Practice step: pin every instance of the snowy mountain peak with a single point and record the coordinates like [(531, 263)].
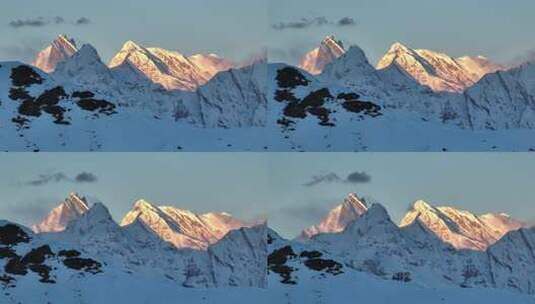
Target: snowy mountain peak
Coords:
[(143, 205), (88, 51), (338, 218), (57, 220), (315, 60), (398, 48), (169, 69), (377, 212), (182, 228), (95, 222), (131, 45), (460, 228), (336, 47), (60, 49), (422, 206), (438, 71)]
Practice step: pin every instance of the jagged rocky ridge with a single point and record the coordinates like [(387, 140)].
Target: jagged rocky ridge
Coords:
[(374, 245)]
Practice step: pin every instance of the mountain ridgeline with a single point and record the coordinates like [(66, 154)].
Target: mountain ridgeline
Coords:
[(413, 100), (432, 247), (78, 243)]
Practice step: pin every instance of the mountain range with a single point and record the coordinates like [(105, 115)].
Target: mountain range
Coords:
[(433, 251), (152, 99), (78, 242), (433, 247)]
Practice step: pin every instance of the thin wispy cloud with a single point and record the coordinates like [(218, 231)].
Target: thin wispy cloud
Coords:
[(308, 22), (36, 22), (40, 21), (59, 177), (333, 178)]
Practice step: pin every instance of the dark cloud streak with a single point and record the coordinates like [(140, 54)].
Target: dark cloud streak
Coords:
[(58, 177), (308, 22), (35, 22), (346, 21), (85, 177), (42, 21), (82, 21), (333, 178)]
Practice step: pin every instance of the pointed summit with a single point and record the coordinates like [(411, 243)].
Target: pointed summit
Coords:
[(59, 50), (329, 49), (398, 47), (460, 228), (435, 70), (338, 218), (57, 220), (181, 228), (170, 69)]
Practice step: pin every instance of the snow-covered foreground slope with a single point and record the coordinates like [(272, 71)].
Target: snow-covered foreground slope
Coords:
[(362, 288)]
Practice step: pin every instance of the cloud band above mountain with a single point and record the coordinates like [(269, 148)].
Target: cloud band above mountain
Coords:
[(308, 22), (333, 178), (42, 21), (58, 177)]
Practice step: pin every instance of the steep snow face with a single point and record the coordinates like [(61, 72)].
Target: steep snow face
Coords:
[(338, 218), (182, 228), (512, 261), (315, 60), (59, 50), (211, 64), (460, 228), (57, 220), (170, 69), (438, 71), (234, 98), (240, 258), (503, 100), (84, 69)]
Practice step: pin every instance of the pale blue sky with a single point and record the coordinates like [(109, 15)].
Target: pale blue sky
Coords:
[(239, 28), (232, 28), (270, 185), (500, 30)]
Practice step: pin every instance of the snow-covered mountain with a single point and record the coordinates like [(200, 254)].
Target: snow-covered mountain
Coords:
[(60, 49), (182, 228), (69, 210), (315, 60), (170, 69), (372, 248), (338, 218), (460, 228), (436, 70), (84, 105), (93, 250)]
